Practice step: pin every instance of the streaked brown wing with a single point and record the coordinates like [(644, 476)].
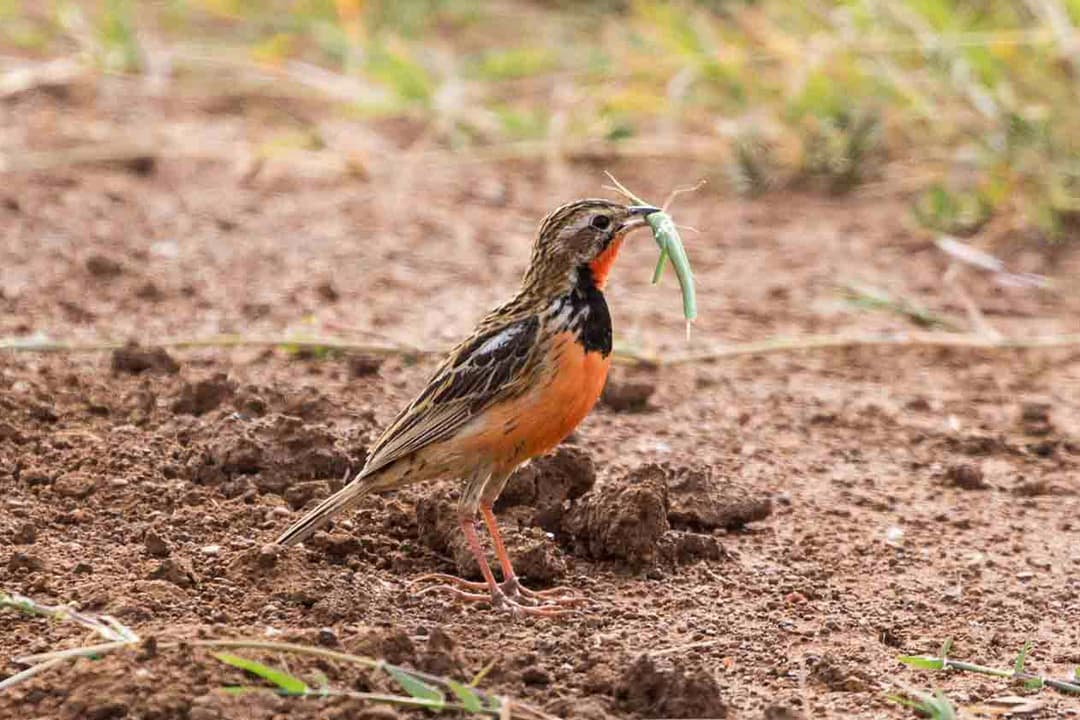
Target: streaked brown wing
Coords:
[(482, 370)]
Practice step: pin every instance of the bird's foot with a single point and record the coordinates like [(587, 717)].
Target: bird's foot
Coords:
[(509, 595), (560, 595)]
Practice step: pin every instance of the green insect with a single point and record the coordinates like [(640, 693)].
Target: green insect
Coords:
[(666, 235)]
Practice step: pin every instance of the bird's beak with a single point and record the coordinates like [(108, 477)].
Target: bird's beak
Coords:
[(636, 215)]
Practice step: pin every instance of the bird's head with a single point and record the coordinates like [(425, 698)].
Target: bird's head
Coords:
[(581, 237)]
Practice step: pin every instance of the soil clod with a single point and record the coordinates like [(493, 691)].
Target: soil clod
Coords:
[(966, 476), (627, 396), (103, 266), (622, 520), (134, 359), (1035, 418), (155, 545), (76, 485), (201, 397), (547, 483), (676, 692), (700, 501), (176, 571)]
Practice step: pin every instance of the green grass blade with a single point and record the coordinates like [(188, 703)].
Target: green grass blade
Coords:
[(469, 698), (936, 706), (288, 684), (924, 662), (417, 688), (1018, 664), (943, 709)]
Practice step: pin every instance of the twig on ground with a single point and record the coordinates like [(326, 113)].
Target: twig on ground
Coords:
[(622, 356), (29, 672), (120, 151), (35, 344), (877, 299), (52, 73), (106, 626), (913, 339), (971, 255)]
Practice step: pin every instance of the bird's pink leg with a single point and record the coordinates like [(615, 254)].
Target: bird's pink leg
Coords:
[(510, 585), (468, 526)]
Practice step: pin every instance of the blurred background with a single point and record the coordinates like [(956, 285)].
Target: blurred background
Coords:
[(961, 112), (968, 104)]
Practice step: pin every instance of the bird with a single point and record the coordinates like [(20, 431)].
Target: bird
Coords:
[(513, 390)]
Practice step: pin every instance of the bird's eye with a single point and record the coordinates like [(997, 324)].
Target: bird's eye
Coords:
[(601, 222)]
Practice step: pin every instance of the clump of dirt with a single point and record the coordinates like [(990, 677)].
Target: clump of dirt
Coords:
[(287, 566), (622, 521), (335, 546), (362, 366), (439, 653), (536, 558), (839, 675), (547, 484), (275, 453), (1038, 487), (1035, 419), (178, 571), (676, 692), (155, 545), (103, 266), (135, 359), (438, 529), (678, 547), (201, 397), (301, 493), (627, 396), (699, 502), (77, 485), (966, 477)]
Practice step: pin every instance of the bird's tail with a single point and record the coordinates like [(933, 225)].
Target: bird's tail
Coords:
[(340, 501)]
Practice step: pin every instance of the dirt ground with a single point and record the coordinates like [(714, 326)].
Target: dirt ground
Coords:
[(759, 536)]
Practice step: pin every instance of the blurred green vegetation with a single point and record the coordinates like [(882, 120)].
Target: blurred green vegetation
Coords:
[(970, 103)]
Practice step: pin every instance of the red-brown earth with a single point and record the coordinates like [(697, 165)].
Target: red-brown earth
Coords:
[(759, 535)]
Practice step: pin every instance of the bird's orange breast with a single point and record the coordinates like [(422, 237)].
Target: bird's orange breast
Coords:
[(567, 388)]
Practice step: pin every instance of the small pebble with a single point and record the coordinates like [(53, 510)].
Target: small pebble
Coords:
[(210, 550)]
